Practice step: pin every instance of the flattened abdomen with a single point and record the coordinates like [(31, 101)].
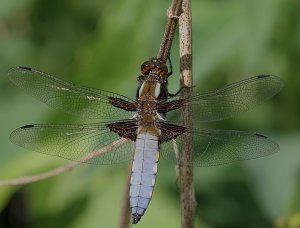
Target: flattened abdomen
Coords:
[(143, 175)]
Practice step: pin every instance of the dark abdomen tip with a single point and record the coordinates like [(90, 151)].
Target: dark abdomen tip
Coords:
[(136, 218)]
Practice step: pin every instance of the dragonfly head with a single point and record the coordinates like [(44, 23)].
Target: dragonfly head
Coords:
[(154, 66)]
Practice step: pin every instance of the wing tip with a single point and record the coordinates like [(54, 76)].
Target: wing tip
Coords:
[(276, 145), (279, 82), (260, 135), (15, 132), (24, 68), (263, 76), (27, 126), (270, 76), (13, 71)]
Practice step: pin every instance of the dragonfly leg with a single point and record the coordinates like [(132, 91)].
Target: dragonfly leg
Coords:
[(171, 66), (180, 90)]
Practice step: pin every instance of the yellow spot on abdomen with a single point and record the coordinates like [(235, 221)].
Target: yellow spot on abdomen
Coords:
[(150, 194), (153, 182), (157, 156), (155, 168)]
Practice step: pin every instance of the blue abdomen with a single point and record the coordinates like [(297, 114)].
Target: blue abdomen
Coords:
[(144, 169)]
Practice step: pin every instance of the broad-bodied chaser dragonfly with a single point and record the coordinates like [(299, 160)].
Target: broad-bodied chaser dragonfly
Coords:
[(143, 121)]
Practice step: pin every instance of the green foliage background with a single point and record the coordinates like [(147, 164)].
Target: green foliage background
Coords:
[(102, 44)]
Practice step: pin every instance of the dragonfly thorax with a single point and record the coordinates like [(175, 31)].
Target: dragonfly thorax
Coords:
[(147, 111)]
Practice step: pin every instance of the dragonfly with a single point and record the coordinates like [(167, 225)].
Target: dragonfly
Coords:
[(143, 123)]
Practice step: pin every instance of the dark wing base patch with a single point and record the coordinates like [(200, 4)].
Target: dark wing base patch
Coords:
[(170, 131), (126, 129), (125, 105)]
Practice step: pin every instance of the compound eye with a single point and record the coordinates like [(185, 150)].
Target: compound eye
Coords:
[(145, 68), (163, 71)]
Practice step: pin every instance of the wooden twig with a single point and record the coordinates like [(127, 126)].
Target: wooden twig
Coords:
[(187, 195), (166, 43), (63, 168), (125, 212)]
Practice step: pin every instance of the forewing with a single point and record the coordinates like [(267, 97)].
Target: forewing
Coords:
[(229, 101), (75, 142), (67, 97), (217, 147)]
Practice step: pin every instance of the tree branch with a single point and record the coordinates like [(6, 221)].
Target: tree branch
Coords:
[(166, 43), (64, 168), (187, 195), (125, 213)]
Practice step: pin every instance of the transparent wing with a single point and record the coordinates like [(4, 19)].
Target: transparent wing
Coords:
[(67, 97), (229, 101), (74, 142), (217, 147)]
